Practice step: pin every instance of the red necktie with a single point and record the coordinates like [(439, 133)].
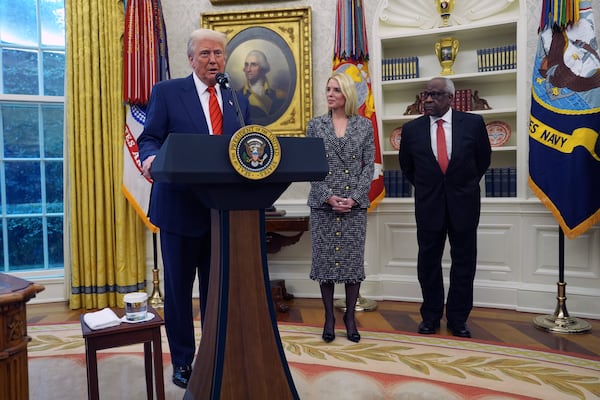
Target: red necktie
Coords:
[(216, 117), (441, 145)]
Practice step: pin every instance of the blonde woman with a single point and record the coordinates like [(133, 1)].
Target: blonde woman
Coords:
[(339, 203)]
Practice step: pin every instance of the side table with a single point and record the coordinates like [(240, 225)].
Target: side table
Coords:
[(275, 241), (14, 293), (125, 334), (273, 224)]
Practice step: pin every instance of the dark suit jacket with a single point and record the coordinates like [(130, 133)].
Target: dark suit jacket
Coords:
[(456, 195), (175, 107)]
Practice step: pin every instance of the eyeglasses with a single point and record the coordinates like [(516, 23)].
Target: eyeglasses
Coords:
[(434, 95), (206, 53)]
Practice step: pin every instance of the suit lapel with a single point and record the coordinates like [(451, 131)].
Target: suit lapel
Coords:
[(230, 118), (337, 144), (425, 138), (457, 139), (192, 105)]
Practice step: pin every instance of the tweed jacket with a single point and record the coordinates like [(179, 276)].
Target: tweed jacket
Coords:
[(351, 161)]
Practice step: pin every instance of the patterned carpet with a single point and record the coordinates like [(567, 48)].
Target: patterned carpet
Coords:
[(382, 366)]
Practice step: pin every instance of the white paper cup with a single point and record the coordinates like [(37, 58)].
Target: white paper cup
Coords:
[(136, 306)]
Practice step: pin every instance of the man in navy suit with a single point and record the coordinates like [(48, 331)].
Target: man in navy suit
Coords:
[(447, 203), (181, 106)]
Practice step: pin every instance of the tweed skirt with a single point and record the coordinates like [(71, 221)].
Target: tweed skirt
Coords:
[(338, 245)]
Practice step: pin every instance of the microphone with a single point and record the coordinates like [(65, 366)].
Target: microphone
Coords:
[(223, 80)]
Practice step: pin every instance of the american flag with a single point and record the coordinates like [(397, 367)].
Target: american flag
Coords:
[(145, 62)]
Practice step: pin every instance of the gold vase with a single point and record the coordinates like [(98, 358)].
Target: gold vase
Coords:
[(445, 8), (446, 50)]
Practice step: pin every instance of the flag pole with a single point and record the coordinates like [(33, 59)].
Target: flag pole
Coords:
[(362, 304), (156, 299), (560, 321), (145, 62)]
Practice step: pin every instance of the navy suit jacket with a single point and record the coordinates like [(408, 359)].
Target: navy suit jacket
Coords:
[(175, 107), (455, 196)]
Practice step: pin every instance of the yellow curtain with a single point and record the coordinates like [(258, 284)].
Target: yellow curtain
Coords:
[(106, 244)]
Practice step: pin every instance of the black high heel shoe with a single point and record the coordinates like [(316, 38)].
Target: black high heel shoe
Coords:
[(352, 336), (327, 336)]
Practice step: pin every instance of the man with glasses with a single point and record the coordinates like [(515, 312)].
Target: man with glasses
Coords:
[(184, 106), (444, 154)]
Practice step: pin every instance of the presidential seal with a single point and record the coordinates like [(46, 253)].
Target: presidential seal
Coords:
[(254, 152)]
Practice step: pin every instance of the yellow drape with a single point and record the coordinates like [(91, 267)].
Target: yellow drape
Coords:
[(106, 243)]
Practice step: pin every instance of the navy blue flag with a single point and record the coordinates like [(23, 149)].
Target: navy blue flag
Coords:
[(564, 126)]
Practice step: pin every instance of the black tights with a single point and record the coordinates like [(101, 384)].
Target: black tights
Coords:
[(327, 290)]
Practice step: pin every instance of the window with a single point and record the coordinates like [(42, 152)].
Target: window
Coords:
[(32, 60)]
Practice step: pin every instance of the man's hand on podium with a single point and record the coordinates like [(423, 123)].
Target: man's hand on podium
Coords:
[(146, 166)]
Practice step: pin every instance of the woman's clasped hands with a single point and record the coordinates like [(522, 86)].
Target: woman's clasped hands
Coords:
[(341, 204)]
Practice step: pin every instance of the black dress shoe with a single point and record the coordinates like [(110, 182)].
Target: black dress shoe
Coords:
[(428, 328), (459, 330), (328, 337), (352, 336), (181, 375)]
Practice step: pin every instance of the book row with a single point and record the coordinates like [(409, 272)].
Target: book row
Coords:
[(499, 182), (399, 68), (497, 58), (396, 185), (462, 101), (488, 59)]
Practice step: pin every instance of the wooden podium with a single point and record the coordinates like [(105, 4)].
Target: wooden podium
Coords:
[(240, 354), (14, 293)]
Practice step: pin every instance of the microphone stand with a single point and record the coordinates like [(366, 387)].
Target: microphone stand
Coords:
[(224, 82), (238, 111)]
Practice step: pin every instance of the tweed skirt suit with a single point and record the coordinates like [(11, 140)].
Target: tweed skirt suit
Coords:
[(338, 239)]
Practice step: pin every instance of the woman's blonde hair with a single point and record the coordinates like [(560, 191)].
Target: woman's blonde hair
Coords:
[(348, 88)]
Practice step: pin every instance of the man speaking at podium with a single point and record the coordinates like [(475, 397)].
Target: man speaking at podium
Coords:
[(195, 104)]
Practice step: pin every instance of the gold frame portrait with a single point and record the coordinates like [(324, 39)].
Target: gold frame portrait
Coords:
[(284, 36)]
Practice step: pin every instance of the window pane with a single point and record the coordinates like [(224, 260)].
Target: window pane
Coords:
[(21, 130), (52, 15), (54, 186), (23, 187), (32, 63), (18, 23), (20, 71), (25, 244), (54, 73), (55, 243), (53, 122)]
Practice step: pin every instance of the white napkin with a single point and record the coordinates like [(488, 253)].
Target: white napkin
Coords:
[(104, 318)]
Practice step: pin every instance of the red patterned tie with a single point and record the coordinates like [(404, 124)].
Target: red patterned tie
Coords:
[(441, 145), (216, 117)]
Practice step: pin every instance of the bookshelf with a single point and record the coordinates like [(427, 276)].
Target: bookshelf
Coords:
[(487, 63)]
